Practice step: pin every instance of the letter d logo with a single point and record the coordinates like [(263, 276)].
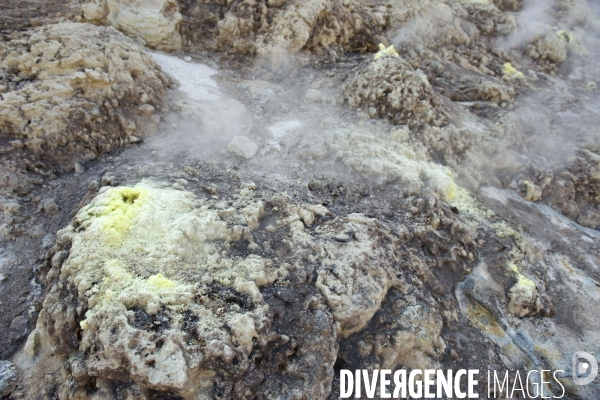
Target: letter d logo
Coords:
[(580, 368)]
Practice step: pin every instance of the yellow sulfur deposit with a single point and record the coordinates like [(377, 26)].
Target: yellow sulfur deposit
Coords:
[(121, 208), (161, 282), (523, 296), (386, 51), (522, 280), (441, 180), (451, 192), (114, 271), (509, 72), (574, 44)]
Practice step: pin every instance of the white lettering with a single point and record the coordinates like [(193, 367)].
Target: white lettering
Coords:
[(442, 382), (400, 384), (473, 383), (370, 387), (557, 381), (459, 394), (346, 383), (428, 381), (411, 384), (517, 379), (542, 385), (535, 385), (384, 382), (501, 387)]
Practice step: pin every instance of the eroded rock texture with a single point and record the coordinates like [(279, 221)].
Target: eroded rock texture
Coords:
[(74, 91), (157, 291), (230, 299), (390, 88), (155, 22)]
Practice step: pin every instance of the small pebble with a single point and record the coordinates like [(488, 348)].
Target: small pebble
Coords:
[(107, 180), (49, 206), (454, 355), (134, 139)]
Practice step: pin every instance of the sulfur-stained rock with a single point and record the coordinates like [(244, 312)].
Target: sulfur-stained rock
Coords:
[(523, 296), (156, 22), (143, 303), (82, 86), (383, 158), (548, 47), (148, 294), (148, 283)]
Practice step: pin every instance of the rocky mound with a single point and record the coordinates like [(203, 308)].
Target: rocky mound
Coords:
[(153, 23), (230, 298), (270, 30), (390, 88), (73, 91), (164, 291)]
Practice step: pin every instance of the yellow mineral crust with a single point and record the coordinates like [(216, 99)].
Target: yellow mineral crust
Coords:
[(523, 296), (161, 282), (574, 43), (149, 246), (120, 210), (509, 72), (388, 159), (127, 231), (386, 51), (522, 280)]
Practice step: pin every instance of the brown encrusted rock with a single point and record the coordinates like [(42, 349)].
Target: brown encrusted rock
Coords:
[(575, 190), (589, 219), (173, 293), (389, 87), (74, 91), (547, 47), (489, 19), (274, 30), (523, 298)]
